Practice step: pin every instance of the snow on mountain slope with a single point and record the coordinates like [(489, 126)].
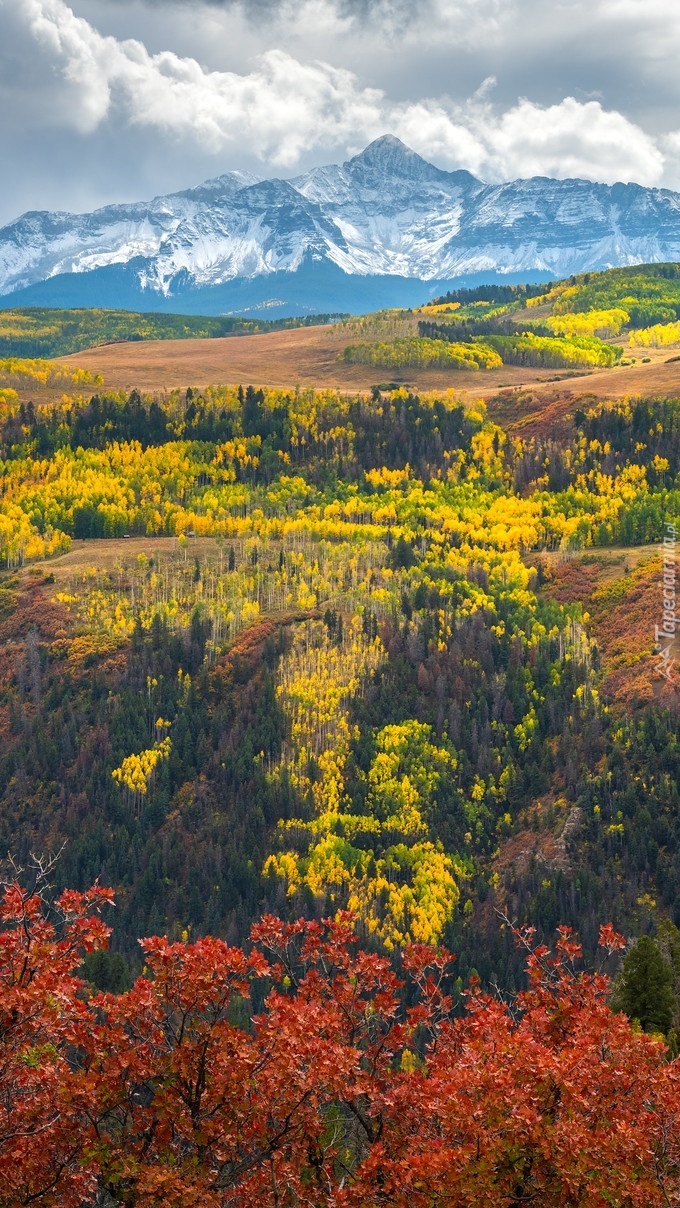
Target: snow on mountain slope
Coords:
[(386, 212), (41, 244)]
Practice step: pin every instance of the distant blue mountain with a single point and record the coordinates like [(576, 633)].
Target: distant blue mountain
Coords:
[(384, 229)]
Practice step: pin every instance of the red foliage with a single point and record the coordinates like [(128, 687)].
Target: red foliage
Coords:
[(34, 610), (336, 1095), (45, 1096)]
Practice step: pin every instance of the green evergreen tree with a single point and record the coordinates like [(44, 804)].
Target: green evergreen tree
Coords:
[(643, 990)]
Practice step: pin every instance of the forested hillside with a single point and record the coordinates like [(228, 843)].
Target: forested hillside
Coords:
[(42, 331), (582, 322), (320, 688), (333, 652)]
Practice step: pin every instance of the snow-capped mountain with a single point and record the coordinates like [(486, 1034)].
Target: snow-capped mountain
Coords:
[(385, 221)]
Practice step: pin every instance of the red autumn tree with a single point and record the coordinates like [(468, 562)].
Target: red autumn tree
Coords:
[(275, 1113), (47, 1102), (552, 1100), (349, 1087)]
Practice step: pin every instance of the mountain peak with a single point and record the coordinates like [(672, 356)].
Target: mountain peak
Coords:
[(389, 155), (386, 213), (386, 144)]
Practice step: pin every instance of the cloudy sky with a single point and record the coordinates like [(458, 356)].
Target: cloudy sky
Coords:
[(113, 100)]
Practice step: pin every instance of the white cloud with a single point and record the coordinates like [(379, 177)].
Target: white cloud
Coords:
[(571, 139), (279, 109), (282, 108), (578, 139), (671, 148), (73, 44), (654, 19), (431, 130)]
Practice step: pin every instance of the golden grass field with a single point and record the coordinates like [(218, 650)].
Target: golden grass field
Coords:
[(110, 554), (309, 357)]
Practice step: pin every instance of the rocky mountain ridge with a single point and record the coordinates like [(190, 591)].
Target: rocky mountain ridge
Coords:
[(386, 215)]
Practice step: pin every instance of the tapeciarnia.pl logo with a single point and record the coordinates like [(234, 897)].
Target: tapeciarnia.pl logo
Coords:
[(664, 634)]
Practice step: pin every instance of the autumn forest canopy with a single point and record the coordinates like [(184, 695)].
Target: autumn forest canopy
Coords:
[(583, 322), (353, 704)]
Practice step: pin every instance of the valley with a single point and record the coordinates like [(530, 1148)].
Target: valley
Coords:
[(325, 635), (339, 604), (273, 592), (309, 357)]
